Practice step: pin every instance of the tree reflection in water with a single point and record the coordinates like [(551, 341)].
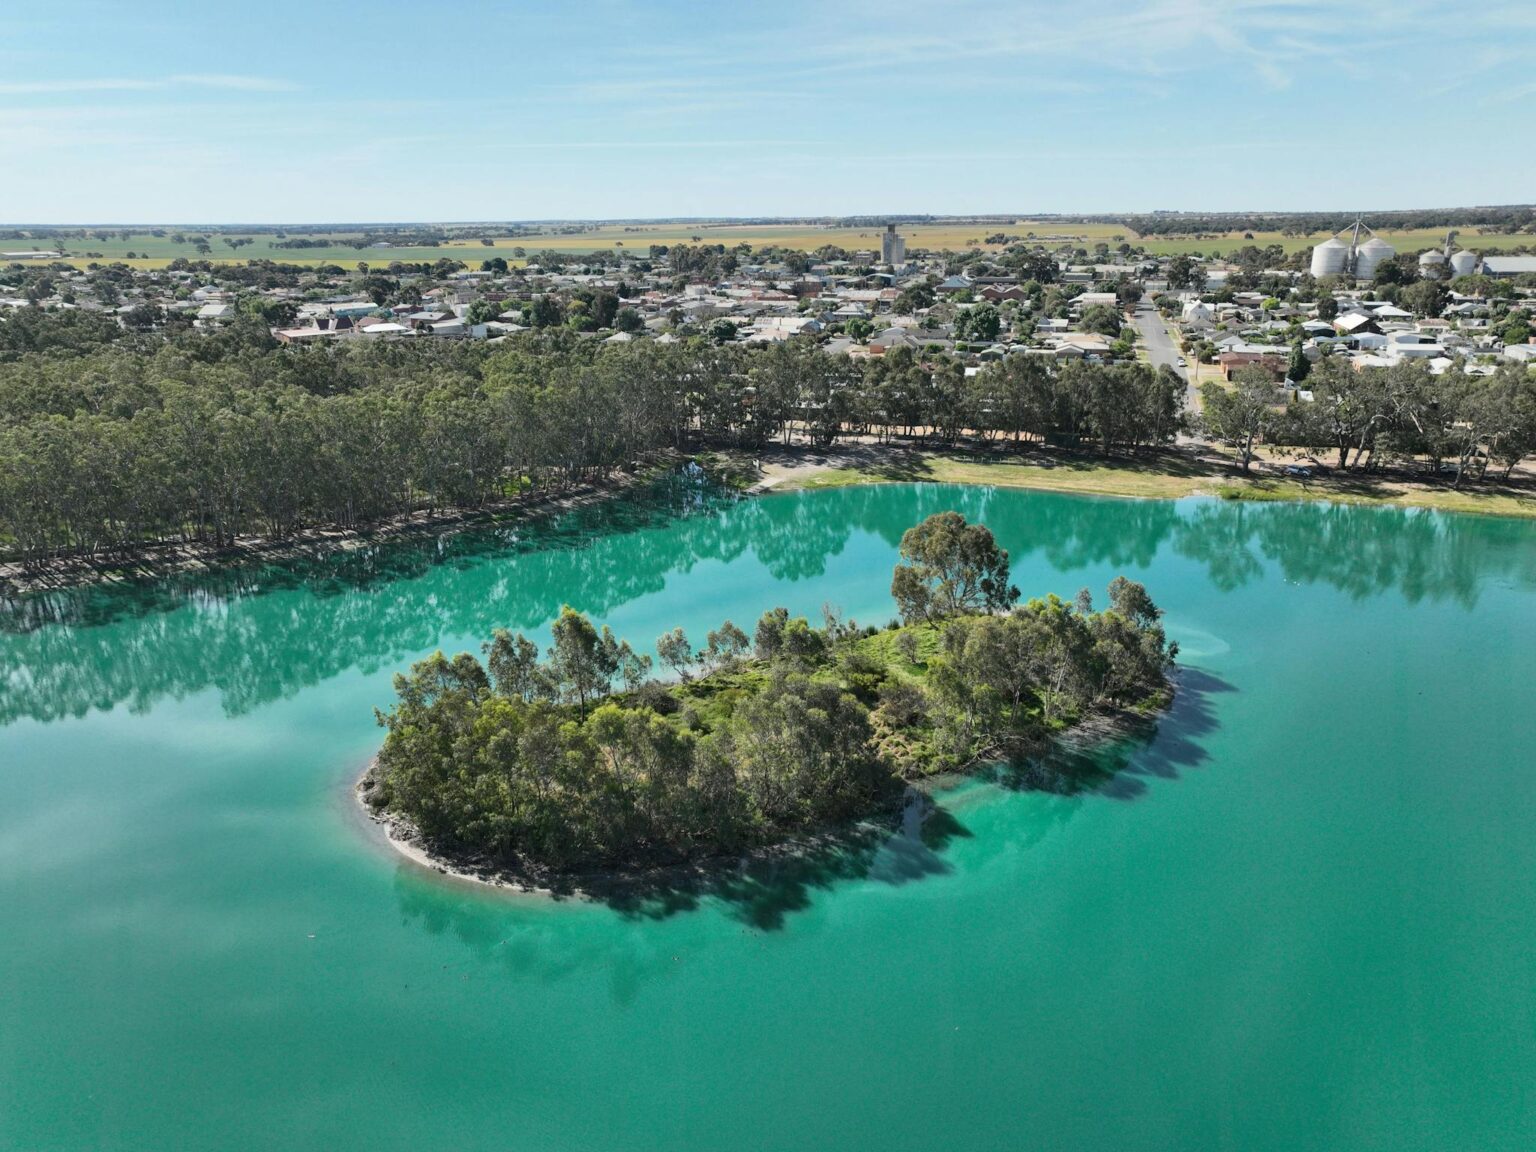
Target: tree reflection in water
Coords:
[(263, 633)]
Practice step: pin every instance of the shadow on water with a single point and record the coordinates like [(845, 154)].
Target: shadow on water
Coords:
[(1119, 765), (762, 892)]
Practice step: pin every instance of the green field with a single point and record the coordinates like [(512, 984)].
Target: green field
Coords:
[(154, 252)]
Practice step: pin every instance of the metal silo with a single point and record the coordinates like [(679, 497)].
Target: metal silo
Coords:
[(1465, 263), (1432, 264), (1370, 256), (1329, 257)]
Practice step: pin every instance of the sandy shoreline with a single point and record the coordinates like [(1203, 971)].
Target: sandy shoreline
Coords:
[(394, 834)]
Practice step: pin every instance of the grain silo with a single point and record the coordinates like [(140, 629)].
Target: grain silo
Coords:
[(1372, 255), (1330, 257), (1465, 263), (1432, 264)]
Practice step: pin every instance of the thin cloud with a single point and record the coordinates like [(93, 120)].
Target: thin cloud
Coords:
[(577, 145), (159, 84)]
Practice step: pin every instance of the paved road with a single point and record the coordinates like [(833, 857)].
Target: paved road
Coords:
[(1161, 349)]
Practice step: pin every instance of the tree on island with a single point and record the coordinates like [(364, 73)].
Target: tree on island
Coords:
[(583, 660), (952, 568), (540, 766), (675, 652)]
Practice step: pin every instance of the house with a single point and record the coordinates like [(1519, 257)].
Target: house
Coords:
[(895, 338), (1354, 323), (384, 328), (354, 308), (773, 328), (1196, 312), (1229, 362), (1094, 299), (1413, 349), (303, 335), (1082, 344)]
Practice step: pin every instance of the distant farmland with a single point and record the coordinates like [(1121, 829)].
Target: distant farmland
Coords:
[(157, 251)]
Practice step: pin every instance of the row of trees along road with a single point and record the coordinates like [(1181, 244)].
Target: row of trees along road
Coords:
[(108, 445), (1366, 417)]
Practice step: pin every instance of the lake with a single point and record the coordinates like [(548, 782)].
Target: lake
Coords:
[(1299, 914)]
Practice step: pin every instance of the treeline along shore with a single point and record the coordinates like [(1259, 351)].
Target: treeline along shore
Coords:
[(576, 761), (114, 444), (108, 447)]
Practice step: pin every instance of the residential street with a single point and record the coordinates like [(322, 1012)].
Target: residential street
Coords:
[(1160, 346)]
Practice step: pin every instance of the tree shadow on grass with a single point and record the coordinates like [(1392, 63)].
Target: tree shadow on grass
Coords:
[(1147, 461), (900, 468), (1174, 463)]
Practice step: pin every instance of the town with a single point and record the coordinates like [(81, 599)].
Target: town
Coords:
[(1056, 297)]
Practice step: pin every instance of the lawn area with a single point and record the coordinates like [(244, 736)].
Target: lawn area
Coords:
[(1166, 479), (1165, 475)]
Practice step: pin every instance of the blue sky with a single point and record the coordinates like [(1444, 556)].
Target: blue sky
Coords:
[(304, 112)]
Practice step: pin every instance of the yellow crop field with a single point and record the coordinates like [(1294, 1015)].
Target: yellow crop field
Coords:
[(151, 251)]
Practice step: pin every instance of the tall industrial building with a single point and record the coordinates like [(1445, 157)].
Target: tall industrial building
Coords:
[(893, 248)]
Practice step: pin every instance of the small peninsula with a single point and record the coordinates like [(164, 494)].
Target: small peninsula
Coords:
[(579, 762)]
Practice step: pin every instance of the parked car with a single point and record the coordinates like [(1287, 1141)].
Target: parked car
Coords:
[(1300, 471), (1182, 363)]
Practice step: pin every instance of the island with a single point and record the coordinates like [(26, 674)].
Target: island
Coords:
[(579, 761)]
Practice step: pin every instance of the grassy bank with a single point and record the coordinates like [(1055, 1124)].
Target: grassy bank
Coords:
[(1166, 475)]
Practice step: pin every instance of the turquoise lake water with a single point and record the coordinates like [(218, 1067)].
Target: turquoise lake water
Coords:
[(1301, 914)]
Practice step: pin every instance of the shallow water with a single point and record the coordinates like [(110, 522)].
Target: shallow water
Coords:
[(1300, 914)]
